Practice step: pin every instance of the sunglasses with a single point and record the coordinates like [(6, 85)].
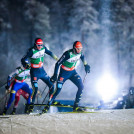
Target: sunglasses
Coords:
[(78, 49), (39, 45)]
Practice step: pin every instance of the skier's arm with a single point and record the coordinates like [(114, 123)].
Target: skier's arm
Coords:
[(83, 59), (24, 60), (51, 54), (10, 79), (87, 67), (63, 58)]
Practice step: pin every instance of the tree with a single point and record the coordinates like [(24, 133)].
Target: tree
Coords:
[(123, 34), (56, 22), (38, 16), (83, 19)]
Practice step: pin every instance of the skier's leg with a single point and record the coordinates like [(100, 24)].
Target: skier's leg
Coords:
[(27, 90), (15, 88), (53, 96), (35, 87), (76, 79), (63, 76), (46, 79), (17, 98), (59, 85), (25, 94), (61, 79), (29, 106)]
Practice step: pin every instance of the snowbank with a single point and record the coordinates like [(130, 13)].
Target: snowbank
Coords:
[(101, 122)]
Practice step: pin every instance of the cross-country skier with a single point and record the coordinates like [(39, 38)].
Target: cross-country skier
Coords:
[(67, 71), (35, 55), (19, 77)]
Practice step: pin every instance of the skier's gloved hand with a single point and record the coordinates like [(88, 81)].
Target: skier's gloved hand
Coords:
[(53, 78), (87, 68), (7, 87), (7, 91), (27, 66)]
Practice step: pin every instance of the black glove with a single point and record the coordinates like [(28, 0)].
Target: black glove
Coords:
[(7, 87), (53, 78), (87, 68), (27, 66)]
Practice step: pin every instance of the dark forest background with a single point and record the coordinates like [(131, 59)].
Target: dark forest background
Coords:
[(105, 28)]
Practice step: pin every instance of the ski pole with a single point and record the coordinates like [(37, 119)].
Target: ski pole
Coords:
[(47, 93), (43, 91), (3, 84), (84, 78), (4, 97), (46, 96), (6, 100), (37, 100)]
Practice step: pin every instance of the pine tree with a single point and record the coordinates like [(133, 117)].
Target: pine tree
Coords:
[(56, 19), (42, 22), (38, 15), (83, 18), (123, 34)]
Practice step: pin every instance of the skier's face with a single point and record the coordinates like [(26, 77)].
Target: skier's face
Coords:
[(39, 46), (78, 50)]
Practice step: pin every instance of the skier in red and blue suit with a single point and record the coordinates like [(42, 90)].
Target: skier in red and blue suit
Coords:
[(19, 77), (35, 55), (67, 64)]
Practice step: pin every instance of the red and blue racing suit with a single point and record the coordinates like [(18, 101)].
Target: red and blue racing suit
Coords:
[(17, 97), (21, 75)]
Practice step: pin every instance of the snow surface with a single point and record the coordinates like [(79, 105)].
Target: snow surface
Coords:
[(101, 122)]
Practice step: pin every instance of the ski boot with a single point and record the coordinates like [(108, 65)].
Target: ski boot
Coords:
[(29, 108), (26, 109), (46, 108), (56, 103), (84, 108), (4, 111), (78, 109), (14, 111)]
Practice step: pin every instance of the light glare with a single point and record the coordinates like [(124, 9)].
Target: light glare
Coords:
[(107, 87)]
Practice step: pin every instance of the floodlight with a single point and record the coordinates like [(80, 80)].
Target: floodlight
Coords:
[(107, 87)]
